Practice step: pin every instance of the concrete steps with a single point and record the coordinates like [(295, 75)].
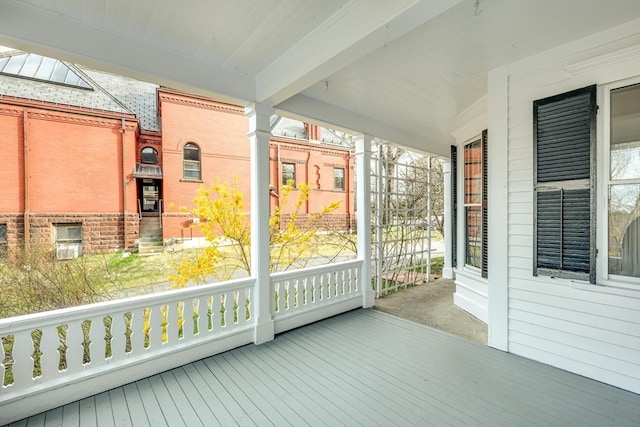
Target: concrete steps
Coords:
[(150, 241)]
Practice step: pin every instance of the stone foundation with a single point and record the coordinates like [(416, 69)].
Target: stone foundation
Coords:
[(100, 232), (329, 222)]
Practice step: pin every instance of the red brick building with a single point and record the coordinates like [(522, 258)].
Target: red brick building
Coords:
[(90, 161)]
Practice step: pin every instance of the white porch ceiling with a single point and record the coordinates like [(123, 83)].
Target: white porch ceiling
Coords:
[(400, 70)]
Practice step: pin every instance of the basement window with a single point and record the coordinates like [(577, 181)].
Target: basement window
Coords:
[(68, 240), (3, 241)]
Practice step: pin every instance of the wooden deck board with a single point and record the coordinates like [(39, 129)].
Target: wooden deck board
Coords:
[(104, 413), (360, 368)]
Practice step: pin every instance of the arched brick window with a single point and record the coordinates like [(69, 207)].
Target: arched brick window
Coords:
[(191, 162), (149, 156)]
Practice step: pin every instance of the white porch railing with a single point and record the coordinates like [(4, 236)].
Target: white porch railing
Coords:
[(127, 339), (58, 357), (305, 296)]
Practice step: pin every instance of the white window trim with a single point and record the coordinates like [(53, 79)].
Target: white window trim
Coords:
[(602, 191)]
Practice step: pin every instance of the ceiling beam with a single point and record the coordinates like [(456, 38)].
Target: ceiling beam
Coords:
[(304, 108), (354, 31)]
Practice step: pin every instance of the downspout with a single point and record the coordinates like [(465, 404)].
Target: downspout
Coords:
[(124, 185), (27, 203)]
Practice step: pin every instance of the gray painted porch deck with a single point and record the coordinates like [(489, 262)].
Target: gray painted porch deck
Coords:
[(364, 367)]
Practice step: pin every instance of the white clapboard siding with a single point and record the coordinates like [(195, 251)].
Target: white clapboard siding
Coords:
[(590, 330)]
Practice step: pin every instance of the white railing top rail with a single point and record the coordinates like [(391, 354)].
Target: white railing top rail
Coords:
[(285, 275), (36, 320)]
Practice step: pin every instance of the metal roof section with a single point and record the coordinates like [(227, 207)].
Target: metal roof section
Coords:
[(29, 85), (38, 67), (286, 127)]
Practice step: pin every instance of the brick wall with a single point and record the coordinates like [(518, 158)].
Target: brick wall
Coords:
[(100, 232), (329, 222)]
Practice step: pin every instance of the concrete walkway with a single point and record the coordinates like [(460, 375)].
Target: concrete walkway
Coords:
[(431, 304)]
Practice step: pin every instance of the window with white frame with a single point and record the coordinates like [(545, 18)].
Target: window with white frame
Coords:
[(577, 226), (621, 175), (338, 179), (191, 162), (289, 174)]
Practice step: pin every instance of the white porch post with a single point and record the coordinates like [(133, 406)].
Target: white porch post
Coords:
[(363, 216), (259, 135), (498, 160), (447, 269)]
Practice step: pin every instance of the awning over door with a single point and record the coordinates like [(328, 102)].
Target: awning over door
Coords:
[(148, 171)]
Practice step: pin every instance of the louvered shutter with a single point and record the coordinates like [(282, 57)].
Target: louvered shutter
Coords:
[(564, 178), (485, 217), (454, 206)]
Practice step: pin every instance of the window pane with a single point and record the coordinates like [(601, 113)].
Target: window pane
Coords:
[(625, 132), (624, 230), (149, 156), (191, 152), (474, 236), (68, 233), (473, 173), (191, 169), (338, 178), (288, 174)]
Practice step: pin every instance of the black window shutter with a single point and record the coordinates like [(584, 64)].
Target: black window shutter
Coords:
[(485, 218), (564, 179), (454, 206)]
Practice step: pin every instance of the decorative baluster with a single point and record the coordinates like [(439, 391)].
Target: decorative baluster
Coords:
[(192, 318), (242, 306), (247, 305), (288, 293), (235, 308), (183, 311), (22, 360), (7, 343), (137, 331), (153, 327), (297, 292), (316, 288), (302, 289), (225, 308), (95, 336), (163, 322), (49, 362), (117, 325), (74, 340), (276, 296), (210, 313)]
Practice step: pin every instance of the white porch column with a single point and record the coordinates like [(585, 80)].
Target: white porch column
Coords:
[(259, 135), (363, 216), (498, 160), (447, 269)]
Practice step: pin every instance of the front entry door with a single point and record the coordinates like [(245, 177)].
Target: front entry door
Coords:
[(150, 195)]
